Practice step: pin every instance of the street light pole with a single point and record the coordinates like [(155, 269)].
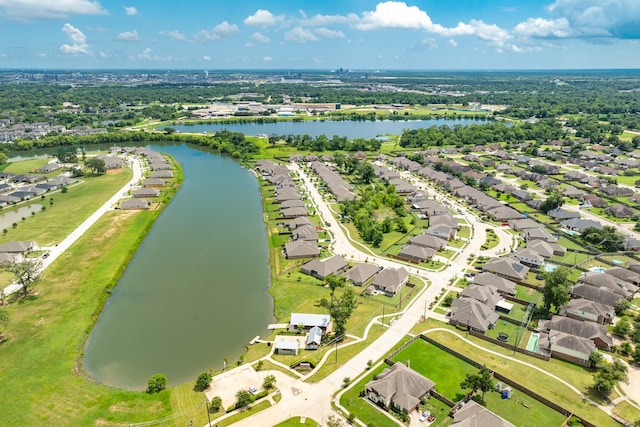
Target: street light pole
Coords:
[(206, 405)]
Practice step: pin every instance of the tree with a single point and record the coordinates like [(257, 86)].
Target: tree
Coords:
[(340, 309), (97, 166), (595, 359), (366, 172), (216, 403), (4, 319), (157, 383), (243, 398), (608, 375), (636, 355), (334, 282), (622, 327), (203, 381), (607, 238), (269, 382), (27, 272), (482, 381), (556, 288), (67, 155), (552, 202)]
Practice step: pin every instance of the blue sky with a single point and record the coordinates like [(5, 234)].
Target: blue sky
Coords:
[(313, 34)]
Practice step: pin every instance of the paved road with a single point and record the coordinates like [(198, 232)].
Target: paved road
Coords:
[(314, 400), (58, 250)]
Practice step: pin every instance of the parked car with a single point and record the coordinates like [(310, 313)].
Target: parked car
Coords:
[(253, 390), (425, 415)]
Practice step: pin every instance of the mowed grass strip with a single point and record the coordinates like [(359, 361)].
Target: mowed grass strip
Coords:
[(533, 380), (40, 367), (68, 210)]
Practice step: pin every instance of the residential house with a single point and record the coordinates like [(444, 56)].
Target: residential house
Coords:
[(579, 225), (166, 174), (111, 162), (288, 213), (591, 330), (399, 387), (624, 274), (620, 211), (612, 283), (305, 232), (447, 220), (49, 167), (360, 273), (429, 241), (524, 224), (488, 295), (154, 182), (593, 293), (320, 269), (132, 204), (306, 321), (566, 346), (429, 208), (546, 249), (574, 175), (593, 201), (390, 280), (504, 213), (314, 338), (560, 214), (502, 285), (529, 258), (293, 203), (415, 253), (475, 415), (507, 267), (573, 192), (301, 249), (617, 191), (538, 234), (299, 222), (145, 192), (521, 195), (441, 230), (18, 247), (289, 347), (473, 314), (584, 309)]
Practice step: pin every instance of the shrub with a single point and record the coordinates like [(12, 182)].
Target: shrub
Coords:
[(202, 383), (157, 383), (216, 404), (260, 395)]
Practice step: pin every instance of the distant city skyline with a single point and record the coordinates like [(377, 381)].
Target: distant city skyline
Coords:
[(358, 34)]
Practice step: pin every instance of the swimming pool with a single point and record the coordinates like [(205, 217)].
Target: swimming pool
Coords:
[(532, 345), (549, 267), (597, 269)]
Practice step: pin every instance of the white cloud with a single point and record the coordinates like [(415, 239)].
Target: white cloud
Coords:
[(322, 20), (453, 43), (77, 41), (206, 58), (429, 43), (601, 18), (130, 10), (264, 18), (328, 34), (540, 27), (260, 38), (49, 9), (395, 14), (146, 54), (249, 45), (221, 31), (299, 35), (128, 36), (177, 35), (103, 55), (267, 58)]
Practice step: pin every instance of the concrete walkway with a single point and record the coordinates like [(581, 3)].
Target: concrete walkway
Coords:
[(60, 248)]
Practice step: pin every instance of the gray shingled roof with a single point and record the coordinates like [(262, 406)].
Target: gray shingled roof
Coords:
[(401, 385), (503, 285), (390, 279), (360, 273), (475, 415)]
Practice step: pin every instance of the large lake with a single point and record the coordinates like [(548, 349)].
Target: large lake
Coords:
[(315, 128), (196, 290)]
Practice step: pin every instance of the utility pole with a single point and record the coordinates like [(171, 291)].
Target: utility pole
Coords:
[(206, 405)]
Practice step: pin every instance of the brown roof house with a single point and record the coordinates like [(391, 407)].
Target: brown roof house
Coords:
[(566, 346), (502, 285), (611, 283), (131, 204), (305, 232), (415, 253), (585, 329), (601, 295), (400, 387), (301, 249), (429, 241), (473, 314), (507, 267), (475, 415), (360, 273), (620, 211), (584, 309), (323, 268), (390, 280)]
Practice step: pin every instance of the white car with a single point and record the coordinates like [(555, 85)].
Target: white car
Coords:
[(253, 390), (424, 415)]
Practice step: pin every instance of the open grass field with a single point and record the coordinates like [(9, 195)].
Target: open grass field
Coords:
[(67, 211), (513, 410), (27, 166), (542, 384), (297, 422), (48, 387)]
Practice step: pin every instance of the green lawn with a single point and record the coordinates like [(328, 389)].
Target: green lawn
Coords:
[(464, 232), (28, 166), (448, 373), (527, 294), (48, 387), (628, 412), (245, 413), (297, 422), (67, 211), (513, 410)]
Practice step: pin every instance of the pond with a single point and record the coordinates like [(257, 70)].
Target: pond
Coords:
[(315, 128), (9, 218), (196, 291)]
